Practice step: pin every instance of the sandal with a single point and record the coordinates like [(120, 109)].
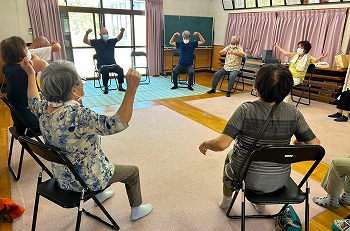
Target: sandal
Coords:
[(325, 202), (341, 225)]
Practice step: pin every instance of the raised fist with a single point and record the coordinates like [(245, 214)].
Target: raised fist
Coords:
[(88, 31)]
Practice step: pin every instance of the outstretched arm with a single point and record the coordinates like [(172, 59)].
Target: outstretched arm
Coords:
[(172, 40), (55, 46), (201, 39), (86, 40), (217, 144), (315, 60), (283, 51), (120, 35)]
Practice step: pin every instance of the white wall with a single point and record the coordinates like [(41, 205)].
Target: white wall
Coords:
[(14, 19)]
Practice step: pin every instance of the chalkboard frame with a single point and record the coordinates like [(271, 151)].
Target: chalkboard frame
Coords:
[(180, 28)]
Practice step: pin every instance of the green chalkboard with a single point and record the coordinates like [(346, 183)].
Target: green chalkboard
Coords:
[(176, 23)]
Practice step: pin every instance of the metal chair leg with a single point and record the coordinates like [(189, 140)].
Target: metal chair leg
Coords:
[(36, 205), (18, 174)]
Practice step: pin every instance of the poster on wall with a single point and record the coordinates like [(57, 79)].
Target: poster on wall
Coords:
[(326, 1), (278, 2), (227, 4), (251, 3), (293, 2), (311, 1), (239, 4), (262, 3)]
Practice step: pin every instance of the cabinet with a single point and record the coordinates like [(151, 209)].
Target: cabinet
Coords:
[(326, 83)]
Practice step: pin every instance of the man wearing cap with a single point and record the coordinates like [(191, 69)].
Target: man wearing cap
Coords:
[(186, 49)]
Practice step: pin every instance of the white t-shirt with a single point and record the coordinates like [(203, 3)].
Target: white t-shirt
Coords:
[(44, 53)]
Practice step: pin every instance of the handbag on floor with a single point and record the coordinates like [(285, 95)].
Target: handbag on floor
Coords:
[(288, 220), (9, 210), (341, 225)]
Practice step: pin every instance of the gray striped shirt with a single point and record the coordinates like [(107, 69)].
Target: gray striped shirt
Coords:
[(244, 125)]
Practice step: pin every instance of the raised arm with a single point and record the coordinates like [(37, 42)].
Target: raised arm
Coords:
[(27, 66), (172, 40), (315, 60), (120, 35), (38, 64), (283, 51), (55, 46), (86, 40), (201, 39), (126, 108), (217, 144)]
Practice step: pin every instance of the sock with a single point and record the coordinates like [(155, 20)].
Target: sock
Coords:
[(345, 198), (327, 202), (105, 195), (225, 203), (140, 211)]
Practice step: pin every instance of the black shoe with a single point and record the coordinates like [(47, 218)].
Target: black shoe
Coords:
[(342, 119), (190, 88), (228, 94), (335, 115), (105, 91), (174, 87), (211, 91), (121, 89)]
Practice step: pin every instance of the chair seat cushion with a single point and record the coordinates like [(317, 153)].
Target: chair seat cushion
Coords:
[(289, 194), (64, 198)]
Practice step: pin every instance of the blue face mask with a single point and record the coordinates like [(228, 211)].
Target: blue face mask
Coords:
[(105, 37)]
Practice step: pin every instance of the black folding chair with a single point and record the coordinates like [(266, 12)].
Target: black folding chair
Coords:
[(98, 76), (15, 133), (239, 77), (64, 198), (141, 54), (291, 193), (304, 87), (174, 57)]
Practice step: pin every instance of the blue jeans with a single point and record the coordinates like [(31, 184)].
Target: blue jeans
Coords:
[(221, 73)]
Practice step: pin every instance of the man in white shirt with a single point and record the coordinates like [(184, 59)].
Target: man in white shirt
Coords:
[(43, 49)]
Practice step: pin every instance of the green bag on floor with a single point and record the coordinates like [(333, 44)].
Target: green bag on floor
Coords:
[(288, 220)]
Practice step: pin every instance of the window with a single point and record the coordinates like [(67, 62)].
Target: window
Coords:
[(79, 15)]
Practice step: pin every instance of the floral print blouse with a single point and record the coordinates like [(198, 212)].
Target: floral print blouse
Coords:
[(74, 130)]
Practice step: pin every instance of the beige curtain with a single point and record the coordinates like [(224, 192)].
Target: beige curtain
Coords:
[(154, 35)]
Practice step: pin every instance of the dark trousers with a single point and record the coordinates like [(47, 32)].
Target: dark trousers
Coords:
[(105, 70), (344, 102), (181, 69)]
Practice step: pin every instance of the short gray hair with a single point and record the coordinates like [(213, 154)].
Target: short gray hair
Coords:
[(57, 81), (186, 33)]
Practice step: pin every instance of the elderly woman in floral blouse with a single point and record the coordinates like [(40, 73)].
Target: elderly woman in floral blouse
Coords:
[(76, 130)]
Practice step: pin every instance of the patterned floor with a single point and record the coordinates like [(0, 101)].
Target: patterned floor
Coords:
[(159, 88)]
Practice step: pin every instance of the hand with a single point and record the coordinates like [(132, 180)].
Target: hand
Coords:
[(132, 79), (27, 66), (196, 33), (230, 52), (177, 34), (202, 149), (276, 44), (324, 54), (298, 142), (53, 43), (88, 31), (122, 29)]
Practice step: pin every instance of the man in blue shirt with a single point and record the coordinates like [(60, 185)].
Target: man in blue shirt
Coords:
[(104, 48), (186, 49)]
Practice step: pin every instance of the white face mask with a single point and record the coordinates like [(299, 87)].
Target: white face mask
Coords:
[(186, 41), (300, 51)]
